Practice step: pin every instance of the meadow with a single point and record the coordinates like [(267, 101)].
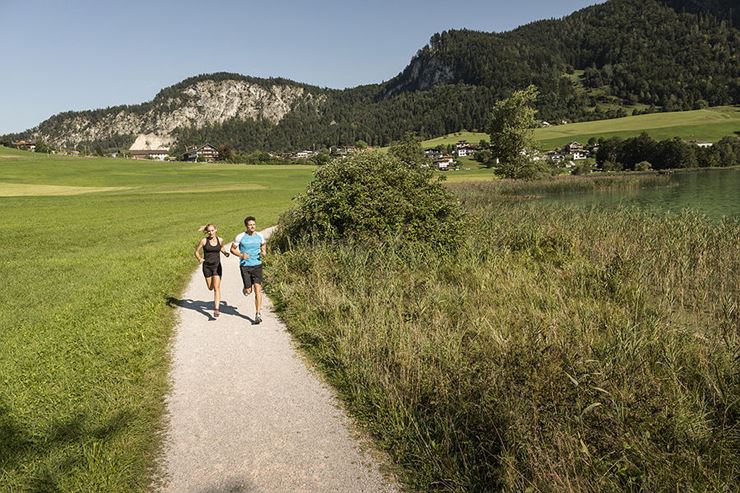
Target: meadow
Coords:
[(95, 254), (709, 125), (556, 349)]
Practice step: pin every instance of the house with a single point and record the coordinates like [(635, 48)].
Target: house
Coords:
[(158, 154), (555, 156), (444, 162), (573, 147), (150, 146), (579, 155), (25, 145), (463, 148), (433, 153), (703, 144), (205, 153), (305, 154), (341, 150)]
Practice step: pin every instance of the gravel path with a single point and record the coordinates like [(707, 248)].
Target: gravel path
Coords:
[(246, 414)]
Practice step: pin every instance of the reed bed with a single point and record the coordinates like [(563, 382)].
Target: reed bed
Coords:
[(564, 184), (557, 349)]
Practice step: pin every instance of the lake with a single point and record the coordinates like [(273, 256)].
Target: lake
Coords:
[(713, 192)]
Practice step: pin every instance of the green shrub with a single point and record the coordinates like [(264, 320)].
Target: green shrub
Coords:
[(369, 196), (643, 166)]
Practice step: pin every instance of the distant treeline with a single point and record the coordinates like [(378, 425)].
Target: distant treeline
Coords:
[(615, 153)]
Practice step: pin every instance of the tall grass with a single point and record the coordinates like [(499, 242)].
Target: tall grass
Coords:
[(564, 184), (557, 350)]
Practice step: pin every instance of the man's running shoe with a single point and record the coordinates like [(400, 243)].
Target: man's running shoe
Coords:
[(257, 318)]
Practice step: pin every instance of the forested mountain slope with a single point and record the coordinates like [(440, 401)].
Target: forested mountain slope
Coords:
[(607, 60)]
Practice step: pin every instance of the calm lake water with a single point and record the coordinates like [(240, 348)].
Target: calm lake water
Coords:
[(713, 192)]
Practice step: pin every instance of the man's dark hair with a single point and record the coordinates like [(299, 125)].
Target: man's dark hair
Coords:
[(249, 218)]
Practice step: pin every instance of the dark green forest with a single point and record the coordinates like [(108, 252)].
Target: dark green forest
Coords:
[(609, 60)]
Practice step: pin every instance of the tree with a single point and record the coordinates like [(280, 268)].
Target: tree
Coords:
[(643, 166), (225, 153), (42, 146), (322, 157), (511, 127), (408, 150)]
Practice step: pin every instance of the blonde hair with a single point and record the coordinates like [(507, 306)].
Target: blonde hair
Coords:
[(203, 228)]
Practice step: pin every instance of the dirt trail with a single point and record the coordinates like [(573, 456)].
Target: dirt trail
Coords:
[(246, 414)]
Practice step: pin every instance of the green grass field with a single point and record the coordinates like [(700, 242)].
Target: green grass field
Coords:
[(702, 125), (92, 251)]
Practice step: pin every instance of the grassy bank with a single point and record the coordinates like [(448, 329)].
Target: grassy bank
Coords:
[(85, 324), (709, 124), (558, 350)]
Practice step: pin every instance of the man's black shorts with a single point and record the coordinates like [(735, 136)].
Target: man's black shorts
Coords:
[(212, 270), (251, 274)]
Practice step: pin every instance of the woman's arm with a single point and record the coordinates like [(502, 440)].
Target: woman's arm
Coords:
[(197, 250), (224, 250)]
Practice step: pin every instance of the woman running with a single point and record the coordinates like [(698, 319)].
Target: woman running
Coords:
[(212, 247)]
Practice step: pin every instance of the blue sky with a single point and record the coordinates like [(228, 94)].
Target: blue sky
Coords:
[(82, 54)]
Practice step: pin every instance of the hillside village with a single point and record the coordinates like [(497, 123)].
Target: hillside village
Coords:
[(442, 157)]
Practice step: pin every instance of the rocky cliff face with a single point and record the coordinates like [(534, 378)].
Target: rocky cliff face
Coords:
[(194, 105), (424, 72)]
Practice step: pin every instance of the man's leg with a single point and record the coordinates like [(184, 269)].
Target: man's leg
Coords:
[(257, 283), (257, 297), (246, 280)]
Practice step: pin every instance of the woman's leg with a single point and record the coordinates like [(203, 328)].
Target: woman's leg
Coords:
[(209, 283), (216, 293)]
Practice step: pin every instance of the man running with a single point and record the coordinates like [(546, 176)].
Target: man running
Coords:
[(250, 247)]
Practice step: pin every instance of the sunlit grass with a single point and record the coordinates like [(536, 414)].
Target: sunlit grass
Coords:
[(84, 322), (709, 124)]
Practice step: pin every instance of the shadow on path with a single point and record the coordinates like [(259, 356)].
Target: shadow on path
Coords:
[(231, 486), (206, 308)]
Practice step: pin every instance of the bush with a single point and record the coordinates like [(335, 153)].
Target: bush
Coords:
[(369, 196), (582, 169), (643, 166), (611, 166)]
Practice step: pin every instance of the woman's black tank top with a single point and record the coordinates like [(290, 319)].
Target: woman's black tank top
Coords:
[(211, 253)]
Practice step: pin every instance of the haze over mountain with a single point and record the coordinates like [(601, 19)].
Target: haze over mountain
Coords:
[(603, 61)]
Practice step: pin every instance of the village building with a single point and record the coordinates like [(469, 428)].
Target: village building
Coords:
[(205, 153), (150, 146), (25, 145), (305, 154), (579, 155), (444, 162), (158, 154), (575, 150), (463, 148), (342, 150), (572, 147)]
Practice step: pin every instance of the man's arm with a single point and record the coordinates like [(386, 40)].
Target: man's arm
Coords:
[(235, 249)]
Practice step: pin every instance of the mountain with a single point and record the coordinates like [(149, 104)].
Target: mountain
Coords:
[(599, 62)]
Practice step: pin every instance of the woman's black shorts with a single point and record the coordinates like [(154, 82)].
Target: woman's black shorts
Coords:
[(210, 270)]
